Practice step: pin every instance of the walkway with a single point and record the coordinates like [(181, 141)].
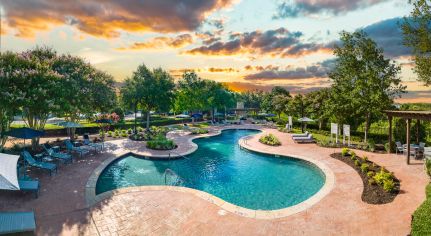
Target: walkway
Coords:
[(61, 208)]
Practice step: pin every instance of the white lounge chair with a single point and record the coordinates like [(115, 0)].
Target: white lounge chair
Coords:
[(307, 139), (301, 135), (399, 148)]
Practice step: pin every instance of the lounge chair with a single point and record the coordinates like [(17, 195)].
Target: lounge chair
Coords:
[(17, 222), (399, 148), (29, 186), (39, 164), (70, 148), (66, 158), (88, 142), (300, 135), (308, 139)]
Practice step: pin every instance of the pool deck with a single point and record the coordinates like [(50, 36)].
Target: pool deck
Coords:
[(63, 208)]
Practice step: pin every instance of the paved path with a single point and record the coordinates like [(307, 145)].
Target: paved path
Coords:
[(61, 208)]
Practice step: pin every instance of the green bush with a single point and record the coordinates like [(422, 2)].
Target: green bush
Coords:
[(345, 152), (270, 139), (109, 133), (353, 158), (199, 131), (428, 167), (371, 145), (371, 181), (370, 174), (130, 131), (421, 223), (365, 158), (161, 143), (388, 185), (382, 176), (352, 153), (357, 163), (390, 147), (365, 167)]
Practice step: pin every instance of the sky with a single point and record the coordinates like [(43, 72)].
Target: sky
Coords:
[(247, 44)]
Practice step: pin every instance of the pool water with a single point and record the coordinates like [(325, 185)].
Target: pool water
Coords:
[(220, 167)]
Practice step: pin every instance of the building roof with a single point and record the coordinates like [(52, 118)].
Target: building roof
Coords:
[(421, 115)]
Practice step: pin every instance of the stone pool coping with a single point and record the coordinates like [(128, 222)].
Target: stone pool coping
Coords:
[(91, 197)]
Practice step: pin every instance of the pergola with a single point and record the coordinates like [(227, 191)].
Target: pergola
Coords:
[(408, 116)]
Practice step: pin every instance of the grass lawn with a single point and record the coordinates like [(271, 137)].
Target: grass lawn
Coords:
[(421, 224)]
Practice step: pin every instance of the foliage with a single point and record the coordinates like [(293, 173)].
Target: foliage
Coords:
[(345, 151), (252, 99), (421, 220), (161, 143), (357, 163), (382, 176), (371, 146), (390, 147), (363, 79), (388, 185), (270, 139), (417, 35), (352, 153), (370, 174), (199, 131), (428, 167), (365, 167)]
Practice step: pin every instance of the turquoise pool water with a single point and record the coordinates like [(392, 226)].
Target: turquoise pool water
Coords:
[(220, 167)]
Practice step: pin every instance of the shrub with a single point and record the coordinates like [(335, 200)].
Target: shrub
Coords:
[(357, 163), (371, 145), (352, 153), (365, 158), (371, 181), (161, 143), (124, 135), (364, 167), (116, 133), (140, 129), (353, 158), (388, 185), (345, 152), (382, 176), (199, 131), (370, 174), (270, 139), (109, 133), (390, 147), (428, 167), (130, 131)]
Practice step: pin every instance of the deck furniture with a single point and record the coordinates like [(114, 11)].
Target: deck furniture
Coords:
[(399, 148), (300, 135), (88, 142), (39, 164), (66, 158), (71, 148), (17, 222), (307, 139), (29, 186)]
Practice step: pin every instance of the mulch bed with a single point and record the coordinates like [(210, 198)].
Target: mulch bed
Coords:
[(372, 194)]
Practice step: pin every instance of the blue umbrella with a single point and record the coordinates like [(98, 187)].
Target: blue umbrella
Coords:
[(197, 115), (25, 133)]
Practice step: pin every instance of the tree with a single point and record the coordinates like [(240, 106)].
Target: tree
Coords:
[(417, 35), (10, 96), (363, 79), (156, 89), (252, 99), (130, 95), (280, 103), (316, 105), (219, 97), (191, 94), (268, 103)]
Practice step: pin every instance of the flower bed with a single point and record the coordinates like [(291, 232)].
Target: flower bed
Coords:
[(199, 131), (270, 139), (161, 143), (380, 186)]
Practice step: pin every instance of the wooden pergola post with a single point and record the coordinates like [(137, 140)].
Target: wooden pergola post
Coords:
[(408, 140), (390, 133)]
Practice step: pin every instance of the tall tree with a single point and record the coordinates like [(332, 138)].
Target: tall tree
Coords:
[(191, 94), (219, 97), (156, 90), (317, 105), (130, 95), (363, 78), (417, 35)]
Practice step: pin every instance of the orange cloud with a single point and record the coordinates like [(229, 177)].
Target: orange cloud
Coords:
[(161, 42), (109, 17)]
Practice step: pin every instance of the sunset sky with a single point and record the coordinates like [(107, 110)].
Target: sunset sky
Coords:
[(248, 44)]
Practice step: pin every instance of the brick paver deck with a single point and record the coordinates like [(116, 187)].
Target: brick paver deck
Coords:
[(61, 208)]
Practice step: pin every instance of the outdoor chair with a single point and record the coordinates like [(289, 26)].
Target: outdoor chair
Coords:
[(66, 158), (88, 142), (17, 222), (71, 148), (307, 139), (39, 164), (300, 135), (29, 186), (399, 148)]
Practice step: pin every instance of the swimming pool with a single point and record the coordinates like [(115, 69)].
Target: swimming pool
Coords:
[(220, 167)]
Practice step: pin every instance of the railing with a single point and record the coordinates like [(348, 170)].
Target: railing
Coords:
[(178, 154), (170, 172)]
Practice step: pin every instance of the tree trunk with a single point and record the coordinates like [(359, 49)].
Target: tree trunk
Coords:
[(367, 124), (148, 120), (320, 124), (135, 131)]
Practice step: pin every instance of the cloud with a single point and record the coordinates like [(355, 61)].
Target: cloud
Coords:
[(319, 70), (161, 42), (293, 89), (109, 17), (279, 42), (298, 8), (388, 35), (178, 72)]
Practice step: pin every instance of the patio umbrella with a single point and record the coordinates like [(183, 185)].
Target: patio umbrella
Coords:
[(69, 125), (304, 120), (8, 173), (25, 133)]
